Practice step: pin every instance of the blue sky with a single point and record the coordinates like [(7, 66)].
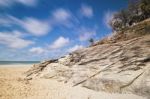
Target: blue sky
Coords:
[(44, 29)]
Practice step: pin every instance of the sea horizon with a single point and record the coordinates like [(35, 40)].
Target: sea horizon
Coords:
[(18, 62)]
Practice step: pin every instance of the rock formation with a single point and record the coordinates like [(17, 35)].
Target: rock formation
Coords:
[(120, 66)]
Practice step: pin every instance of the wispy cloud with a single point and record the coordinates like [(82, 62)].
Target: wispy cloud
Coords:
[(14, 40), (31, 25), (28, 2), (74, 48), (37, 50), (108, 15), (5, 21), (59, 43), (5, 2), (35, 27), (61, 15), (86, 34), (8, 3), (86, 11)]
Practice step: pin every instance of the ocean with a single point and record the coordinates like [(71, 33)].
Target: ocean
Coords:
[(18, 62)]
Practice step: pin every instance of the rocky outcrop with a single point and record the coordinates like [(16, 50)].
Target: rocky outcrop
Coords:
[(122, 67)]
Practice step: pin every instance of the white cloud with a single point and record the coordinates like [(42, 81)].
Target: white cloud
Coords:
[(59, 43), (14, 40), (36, 27), (86, 11), (86, 34), (28, 2), (39, 27), (5, 21), (32, 25), (74, 48), (37, 50), (108, 15), (8, 3), (61, 15), (5, 2)]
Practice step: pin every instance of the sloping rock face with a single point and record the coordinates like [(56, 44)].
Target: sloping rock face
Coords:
[(118, 67), (122, 66)]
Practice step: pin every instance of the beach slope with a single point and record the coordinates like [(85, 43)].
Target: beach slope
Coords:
[(14, 86)]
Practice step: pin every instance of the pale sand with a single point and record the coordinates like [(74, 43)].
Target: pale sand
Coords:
[(12, 86)]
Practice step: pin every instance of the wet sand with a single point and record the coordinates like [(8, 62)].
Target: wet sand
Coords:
[(14, 86)]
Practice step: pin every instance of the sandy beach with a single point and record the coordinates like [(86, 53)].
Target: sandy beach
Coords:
[(14, 86)]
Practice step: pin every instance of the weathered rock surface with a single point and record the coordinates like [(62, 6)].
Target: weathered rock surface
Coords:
[(122, 67)]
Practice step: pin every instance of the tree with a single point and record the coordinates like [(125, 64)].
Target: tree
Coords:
[(119, 20), (133, 11), (145, 7), (137, 10), (91, 40), (116, 22)]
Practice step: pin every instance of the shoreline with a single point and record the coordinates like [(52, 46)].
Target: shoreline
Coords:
[(15, 65)]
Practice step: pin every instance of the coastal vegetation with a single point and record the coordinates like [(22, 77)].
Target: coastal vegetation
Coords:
[(137, 11)]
